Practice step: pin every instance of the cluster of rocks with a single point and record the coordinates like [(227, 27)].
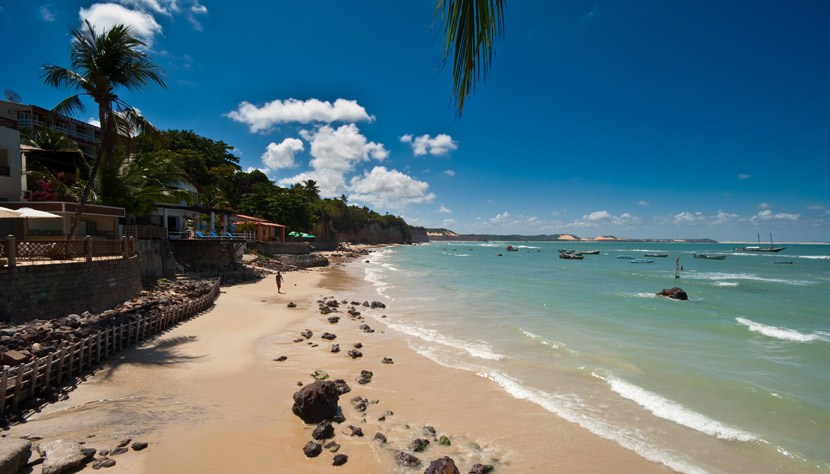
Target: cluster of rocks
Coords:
[(20, 343), (674, 293), (287, 263), (55, 457)]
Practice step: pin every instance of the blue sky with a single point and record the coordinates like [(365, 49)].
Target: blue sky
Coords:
[(637, 119)]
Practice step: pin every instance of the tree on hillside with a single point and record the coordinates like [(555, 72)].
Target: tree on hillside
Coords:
[(101, 64), (470, 30)]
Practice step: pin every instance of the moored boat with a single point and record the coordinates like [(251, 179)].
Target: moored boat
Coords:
[(758, 248), (784, 262), (511, 248), (625, 257), (709, 256), (642, 260), (589, 252), (570, 255), (656, 254)]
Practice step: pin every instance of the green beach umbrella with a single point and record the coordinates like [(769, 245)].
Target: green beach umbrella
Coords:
[(306, 236), (293, 233)]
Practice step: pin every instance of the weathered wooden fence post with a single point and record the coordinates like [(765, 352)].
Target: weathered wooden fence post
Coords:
[(12, 251)]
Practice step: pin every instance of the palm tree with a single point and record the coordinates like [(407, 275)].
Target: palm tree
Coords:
[(102, 63), (470, 29)]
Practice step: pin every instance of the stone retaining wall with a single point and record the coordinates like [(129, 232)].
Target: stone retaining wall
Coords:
[(48, 291), (157, 260), (208, 253), (272, 249)]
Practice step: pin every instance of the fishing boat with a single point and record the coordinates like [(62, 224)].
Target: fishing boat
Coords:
[(570, 255), (709, 256), (625, 257), (589, 252), (658, 254), (758, 248), (511, 248), (642, 260)]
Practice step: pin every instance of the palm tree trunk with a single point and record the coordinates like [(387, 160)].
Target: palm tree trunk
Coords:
[(107, 148)]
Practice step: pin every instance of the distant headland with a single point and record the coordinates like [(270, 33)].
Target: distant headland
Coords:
[(446, 234)]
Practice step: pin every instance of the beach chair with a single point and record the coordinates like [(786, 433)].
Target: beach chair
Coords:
[(230, 236), (213, 234), (200, 234)]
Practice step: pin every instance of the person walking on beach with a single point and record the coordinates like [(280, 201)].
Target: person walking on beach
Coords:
[(279, 282)]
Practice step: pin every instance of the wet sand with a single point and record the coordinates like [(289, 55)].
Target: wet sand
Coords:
[(209, 397)]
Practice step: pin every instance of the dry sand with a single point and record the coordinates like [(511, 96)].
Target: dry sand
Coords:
[(210, 398)]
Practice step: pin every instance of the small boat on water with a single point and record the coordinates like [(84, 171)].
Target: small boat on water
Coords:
[(626, 257), (709, 256), (656, 254), (784, 262), (570, 255), (642, 260), (589, 252), (758, 248), (511, 248)]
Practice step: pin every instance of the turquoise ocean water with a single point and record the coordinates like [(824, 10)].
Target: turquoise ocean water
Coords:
[(737, 379)]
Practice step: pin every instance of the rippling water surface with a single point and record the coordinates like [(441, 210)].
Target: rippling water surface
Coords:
[(736, 378)]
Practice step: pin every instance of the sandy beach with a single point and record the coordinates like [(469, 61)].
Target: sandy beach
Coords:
[(209, 397)]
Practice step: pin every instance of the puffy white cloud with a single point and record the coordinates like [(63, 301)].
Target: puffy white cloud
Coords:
[(389, 189), (743, 176), (46, 14), (500, 218), (444, 210), (449, 173), (768, 215), (293, 110), (642, 203), (440, 144), (763, 205), (597, 216), (281, 155), (103, 16), (603, 218), (686, 218), (336, 152), (263, 170), (93, 121)]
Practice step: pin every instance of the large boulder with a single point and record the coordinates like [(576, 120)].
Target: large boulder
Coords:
[(443, 465), (14, 452), (316, 401), (674, 293), (61, 456)]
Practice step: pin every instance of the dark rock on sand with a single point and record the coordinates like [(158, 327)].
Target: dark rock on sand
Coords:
[(359, 403), (320, 374), (316, 402), (124, 442), (88, 452), (443, 465), (335, 348), (339, 418), (366, 328), (339, 460), (281, 359), (354, 353), (419, 445), (380, 437), (674, 293), (355, 431), (365, 377), (407, 460), (444, 441), (312, 449), (378, 304), (119, 450), (325, 310), (481, 469), (357, 345), (430, 431), (332, 303), (292, 305), (334, 319), (328, 336), (323, 431), (387, 360), (331, 446), (103, 462), (341, 386), (139, 445), (307, 334)]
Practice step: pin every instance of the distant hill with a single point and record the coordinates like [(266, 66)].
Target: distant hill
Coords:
[(446, 234)]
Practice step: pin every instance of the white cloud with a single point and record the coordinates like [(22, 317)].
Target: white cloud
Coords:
[(293, 110), (104, 16), (597, 216), (686, 218), (603, 218), (94, 121), (763, 205), (743, 176), (449, 173), (389, 189), (642, 203), (448, 223), (281, 155), (441, 144), (500, 218), (336, 152), (263, 170), (767, 215), (444, 210), (46, 14)]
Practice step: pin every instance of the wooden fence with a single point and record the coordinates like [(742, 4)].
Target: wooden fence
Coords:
[(19, 383), (39, 252)]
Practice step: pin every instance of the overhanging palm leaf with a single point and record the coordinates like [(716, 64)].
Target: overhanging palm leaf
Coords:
[(102, 63), (470, 29)]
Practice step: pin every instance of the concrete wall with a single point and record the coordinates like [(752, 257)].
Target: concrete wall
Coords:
[(208, 253), (10, 186), (276, 248), (48, 291), (157, 260)]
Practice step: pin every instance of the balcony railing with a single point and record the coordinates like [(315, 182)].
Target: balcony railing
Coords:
[(15, 252)]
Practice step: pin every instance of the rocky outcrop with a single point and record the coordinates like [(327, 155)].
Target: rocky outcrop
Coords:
[(61, 456), (674, 293), (14, 452), (316, 402), (444, 465)]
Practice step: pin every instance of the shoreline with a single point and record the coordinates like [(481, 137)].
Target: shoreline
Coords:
[(208, 396)]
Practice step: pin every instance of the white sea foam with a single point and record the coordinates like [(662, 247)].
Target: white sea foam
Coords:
[(571, 408), (476, 349), (726, 283), (815, 257), (783, 334), (675, 412), (718, 276), (558, 346)]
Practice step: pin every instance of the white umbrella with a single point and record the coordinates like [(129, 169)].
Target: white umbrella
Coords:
[(30, 213), (4, 212)]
